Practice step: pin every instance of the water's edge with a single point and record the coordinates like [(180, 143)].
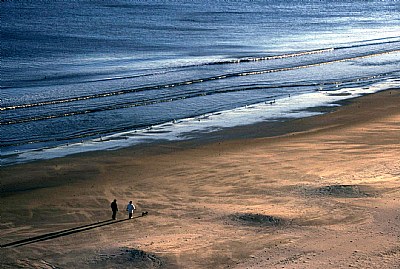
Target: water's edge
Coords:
[(231, 124)]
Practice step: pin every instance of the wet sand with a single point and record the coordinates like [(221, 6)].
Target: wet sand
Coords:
[(325, 193)]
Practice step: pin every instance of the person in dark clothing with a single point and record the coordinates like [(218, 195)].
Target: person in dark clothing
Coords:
[(114, 208)]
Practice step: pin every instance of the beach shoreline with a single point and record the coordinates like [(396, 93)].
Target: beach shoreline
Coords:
[(274, 118), (313, 192)]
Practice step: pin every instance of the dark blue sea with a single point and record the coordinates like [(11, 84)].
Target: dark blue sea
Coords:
[(79, 76)]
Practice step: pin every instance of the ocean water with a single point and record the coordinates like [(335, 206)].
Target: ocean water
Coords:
[(79, 76)]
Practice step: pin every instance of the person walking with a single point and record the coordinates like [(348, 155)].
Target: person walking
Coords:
[(130, 208), (114, 208)]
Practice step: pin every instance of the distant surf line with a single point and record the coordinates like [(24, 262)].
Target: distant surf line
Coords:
[(177, 84), (317, 64), (80, 98), (175, 98), (178, 68)]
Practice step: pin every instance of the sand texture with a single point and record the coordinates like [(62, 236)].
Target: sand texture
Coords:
[(324, 195)]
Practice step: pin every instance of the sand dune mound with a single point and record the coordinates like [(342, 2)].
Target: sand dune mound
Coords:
[(144, 259), (346, 191), (257, 219), (134, 257)]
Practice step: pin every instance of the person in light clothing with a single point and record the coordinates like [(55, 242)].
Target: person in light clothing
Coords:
[(130, 208)]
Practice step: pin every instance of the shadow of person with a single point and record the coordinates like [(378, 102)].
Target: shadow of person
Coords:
[(61, 233)]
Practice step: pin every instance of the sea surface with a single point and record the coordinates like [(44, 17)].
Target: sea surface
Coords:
[(79, 76)]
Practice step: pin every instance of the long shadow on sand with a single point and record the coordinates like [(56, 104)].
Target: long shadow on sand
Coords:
[(53, 235)]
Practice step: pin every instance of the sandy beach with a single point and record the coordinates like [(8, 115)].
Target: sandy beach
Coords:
[(319, 192)]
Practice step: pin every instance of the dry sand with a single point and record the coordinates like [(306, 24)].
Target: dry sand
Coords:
[(324, 196)]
